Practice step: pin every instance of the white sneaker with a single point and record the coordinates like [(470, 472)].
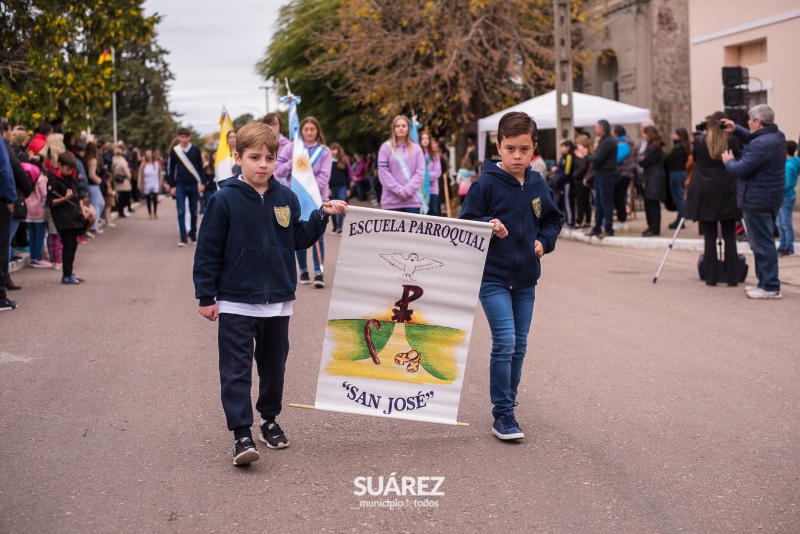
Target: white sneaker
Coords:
[(749, 288), (99, 231), (181, 243), (112, 225), (759, 293)]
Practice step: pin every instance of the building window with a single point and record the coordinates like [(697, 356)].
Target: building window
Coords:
[(746, 54), (607, 75)]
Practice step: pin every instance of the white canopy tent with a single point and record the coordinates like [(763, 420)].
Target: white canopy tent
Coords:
[(586, 109)]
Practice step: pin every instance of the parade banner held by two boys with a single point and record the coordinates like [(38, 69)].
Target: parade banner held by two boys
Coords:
[(400, 316)]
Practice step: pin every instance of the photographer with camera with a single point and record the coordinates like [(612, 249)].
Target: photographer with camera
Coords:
[(759, 192), (711, 197)]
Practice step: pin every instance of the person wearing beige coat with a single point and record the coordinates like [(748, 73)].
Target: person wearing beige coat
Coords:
[(121, 172)]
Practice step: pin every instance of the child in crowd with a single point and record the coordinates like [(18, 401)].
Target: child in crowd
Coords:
[(37, 228), (527, 221), (244, 273), (66, 210)]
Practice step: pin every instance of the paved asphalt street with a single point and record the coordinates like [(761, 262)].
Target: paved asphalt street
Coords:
[(647, 409)]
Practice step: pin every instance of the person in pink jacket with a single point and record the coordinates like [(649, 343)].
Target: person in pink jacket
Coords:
[(434, 169), (37, 227), (321, 163), (401, 170)]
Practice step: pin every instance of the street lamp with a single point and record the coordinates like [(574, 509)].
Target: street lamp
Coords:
[(266, 88)]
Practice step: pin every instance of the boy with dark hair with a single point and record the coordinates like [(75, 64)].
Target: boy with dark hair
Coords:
[(527, 221), (245, 274), (68, 216), (185, 182)]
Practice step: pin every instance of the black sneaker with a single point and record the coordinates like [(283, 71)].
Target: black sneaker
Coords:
[(6, 305), (304, 279), (318, 281), (273, 436), (244, 451)]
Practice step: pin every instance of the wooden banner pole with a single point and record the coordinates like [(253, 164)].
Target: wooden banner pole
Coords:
[(309, 407)]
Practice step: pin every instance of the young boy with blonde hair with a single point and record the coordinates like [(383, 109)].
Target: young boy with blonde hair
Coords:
[(245, 275)]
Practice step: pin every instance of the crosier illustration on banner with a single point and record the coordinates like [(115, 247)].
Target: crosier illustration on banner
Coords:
[(399, 322)]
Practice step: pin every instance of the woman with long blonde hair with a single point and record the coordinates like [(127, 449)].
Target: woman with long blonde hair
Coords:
[(401, 169), (711, 197)]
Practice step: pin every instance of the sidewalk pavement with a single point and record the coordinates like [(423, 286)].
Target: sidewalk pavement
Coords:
[(629, 235), (25, 258)]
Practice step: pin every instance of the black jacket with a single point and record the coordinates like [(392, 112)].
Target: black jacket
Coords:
[(178, 174), (711, 195), (604, 159), (67, 215), (529, 213), (245, 249), (655, 179)]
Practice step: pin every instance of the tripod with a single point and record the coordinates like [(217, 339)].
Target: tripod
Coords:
[(674, 237)]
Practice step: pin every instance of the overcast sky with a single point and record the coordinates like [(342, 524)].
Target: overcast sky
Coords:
[(213, 47)]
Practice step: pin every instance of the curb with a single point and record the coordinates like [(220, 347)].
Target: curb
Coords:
[(654, 243), (25, 258)]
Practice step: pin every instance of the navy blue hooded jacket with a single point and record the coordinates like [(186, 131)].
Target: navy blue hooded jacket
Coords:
[(760, 170), (529, 213), (245, 249)]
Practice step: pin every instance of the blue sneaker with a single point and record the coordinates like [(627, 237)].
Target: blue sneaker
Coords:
[(506, 427), (69, 280)]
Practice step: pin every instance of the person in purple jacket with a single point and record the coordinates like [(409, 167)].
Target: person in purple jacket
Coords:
[(274, 121), (401, 170), (321, 163), (433, 165)]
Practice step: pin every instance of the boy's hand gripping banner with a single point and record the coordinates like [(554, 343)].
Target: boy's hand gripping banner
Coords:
[(401, 314)]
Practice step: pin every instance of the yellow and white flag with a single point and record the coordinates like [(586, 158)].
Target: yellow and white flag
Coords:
[(223, 163), (400, 315)]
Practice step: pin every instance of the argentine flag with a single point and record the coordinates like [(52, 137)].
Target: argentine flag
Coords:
[(304, 184)]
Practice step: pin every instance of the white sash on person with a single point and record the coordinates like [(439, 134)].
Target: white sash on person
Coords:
[(423, 203), (186, 163), (316, 154)]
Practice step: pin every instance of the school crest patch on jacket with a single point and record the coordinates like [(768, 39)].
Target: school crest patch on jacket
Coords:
[(537, 206), (283, 215)]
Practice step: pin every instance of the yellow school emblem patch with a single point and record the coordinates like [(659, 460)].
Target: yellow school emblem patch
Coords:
[(283, 215), (537, 206)]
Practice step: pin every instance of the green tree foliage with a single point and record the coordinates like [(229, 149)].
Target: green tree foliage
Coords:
[(290, 56), (361, 62), (143, 116), (49, 51), (241, 120)]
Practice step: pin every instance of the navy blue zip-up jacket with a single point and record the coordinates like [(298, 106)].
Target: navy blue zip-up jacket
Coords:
[(760, 169), (529, 213), (245, 249)]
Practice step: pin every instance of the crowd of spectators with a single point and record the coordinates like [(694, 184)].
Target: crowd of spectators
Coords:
[(64, 189)]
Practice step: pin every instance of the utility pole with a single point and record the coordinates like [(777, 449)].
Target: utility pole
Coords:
[(266, 88), (563, 66), (114, 96)]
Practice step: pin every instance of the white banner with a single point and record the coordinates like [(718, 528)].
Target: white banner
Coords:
[(401, 313)]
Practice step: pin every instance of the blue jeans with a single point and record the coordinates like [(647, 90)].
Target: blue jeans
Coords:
[(509, 312), (604, 203), (96, 199), (762, 241), (338, 192), (11, 233), (302, 257), (433, 206), (37, 231), (676, 187), (784, 221), (406, 210), (182, 192)]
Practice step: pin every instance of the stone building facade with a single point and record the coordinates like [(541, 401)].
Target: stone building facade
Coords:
[(640, 56)]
